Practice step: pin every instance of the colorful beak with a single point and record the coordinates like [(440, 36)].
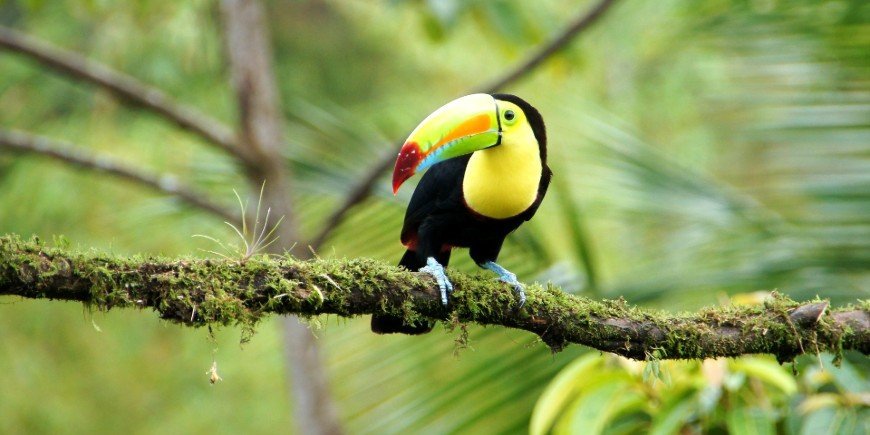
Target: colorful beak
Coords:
[(460, 127)]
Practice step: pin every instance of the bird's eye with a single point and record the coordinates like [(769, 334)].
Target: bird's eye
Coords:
[(509, 116)]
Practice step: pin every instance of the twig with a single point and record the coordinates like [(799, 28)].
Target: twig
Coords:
[(124, 87), (363, 188), (21, 142), (578, 25), (358, 194), (230, 292)]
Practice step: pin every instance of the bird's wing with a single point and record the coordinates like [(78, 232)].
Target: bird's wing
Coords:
[(440, 187)]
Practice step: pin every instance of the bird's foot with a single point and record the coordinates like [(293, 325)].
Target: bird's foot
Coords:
[(434, 268), (508, 277)]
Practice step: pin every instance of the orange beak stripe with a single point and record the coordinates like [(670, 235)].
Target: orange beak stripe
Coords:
[(473, 125)]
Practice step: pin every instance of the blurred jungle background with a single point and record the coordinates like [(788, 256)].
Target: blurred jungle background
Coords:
[(705, 152)]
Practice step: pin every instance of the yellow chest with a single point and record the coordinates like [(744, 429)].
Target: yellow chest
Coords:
[(502, 181)]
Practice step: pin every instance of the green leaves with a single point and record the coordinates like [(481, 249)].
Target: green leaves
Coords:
[(751, 395), (561, 389), (710, 148), (604, 400), (512, 24), (771, 374), (750, 421)]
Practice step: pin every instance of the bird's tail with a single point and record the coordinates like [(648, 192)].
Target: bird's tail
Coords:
[(410, 261), (388, 324)]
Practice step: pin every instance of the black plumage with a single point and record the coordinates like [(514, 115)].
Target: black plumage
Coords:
[(438, 219)]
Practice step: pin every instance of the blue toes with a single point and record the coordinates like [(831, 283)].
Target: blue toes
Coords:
[(434, 268), (508, 277)]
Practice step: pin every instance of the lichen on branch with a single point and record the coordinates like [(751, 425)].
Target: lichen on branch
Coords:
[(226, 292)]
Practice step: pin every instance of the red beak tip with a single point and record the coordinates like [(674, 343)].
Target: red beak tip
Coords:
[(399, 178), (409, 157)]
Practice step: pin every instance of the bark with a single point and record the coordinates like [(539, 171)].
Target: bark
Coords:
[(227, 292)]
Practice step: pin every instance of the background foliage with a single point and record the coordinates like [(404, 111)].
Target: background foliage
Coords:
[(701, 149)]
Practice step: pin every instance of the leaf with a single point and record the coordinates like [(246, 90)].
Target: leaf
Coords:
[(506, 18), (559, 392), (579, 235), (750, 421), (767, 371), (848, 378), (673, 417), (823, 421), (600, 404), (818, 401)]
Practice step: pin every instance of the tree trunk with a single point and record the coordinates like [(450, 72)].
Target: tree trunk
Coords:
[(262, 138)]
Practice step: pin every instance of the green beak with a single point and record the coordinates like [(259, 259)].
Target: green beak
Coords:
[(460, 127)]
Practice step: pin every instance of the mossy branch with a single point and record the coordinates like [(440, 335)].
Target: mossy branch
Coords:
[(205, 292)]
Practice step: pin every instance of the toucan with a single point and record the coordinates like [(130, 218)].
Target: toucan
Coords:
[(486, 157)]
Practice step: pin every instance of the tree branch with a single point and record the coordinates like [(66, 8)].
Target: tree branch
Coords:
[(357, 194), (560, 42), (363, 188), (205, 292), (21, 142), (122, 86)]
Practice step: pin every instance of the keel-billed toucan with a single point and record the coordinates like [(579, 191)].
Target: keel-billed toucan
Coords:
[(487, 160)]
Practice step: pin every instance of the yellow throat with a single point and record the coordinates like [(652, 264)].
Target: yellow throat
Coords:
[(502, 181)]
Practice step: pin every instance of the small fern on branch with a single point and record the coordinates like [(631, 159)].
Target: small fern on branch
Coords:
[(255, 239)]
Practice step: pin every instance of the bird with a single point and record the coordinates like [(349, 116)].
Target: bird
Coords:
[(486, 156)]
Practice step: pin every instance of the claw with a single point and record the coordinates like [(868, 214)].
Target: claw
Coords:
[(508, 277), (434, 268)]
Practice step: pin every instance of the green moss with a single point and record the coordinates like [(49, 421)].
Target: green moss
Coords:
[(225, 292)]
